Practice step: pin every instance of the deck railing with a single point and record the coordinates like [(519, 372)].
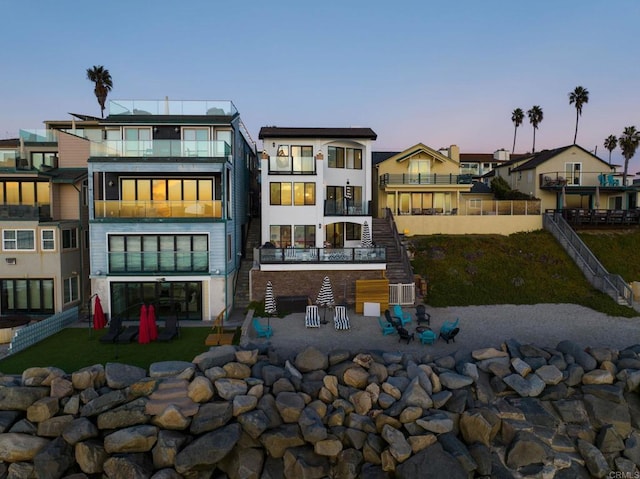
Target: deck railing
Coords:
[(482, 208), (424, 179), (320, 255), (157, 209)]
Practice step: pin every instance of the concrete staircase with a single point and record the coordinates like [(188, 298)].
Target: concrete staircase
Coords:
[(383, 236), (241, 297)]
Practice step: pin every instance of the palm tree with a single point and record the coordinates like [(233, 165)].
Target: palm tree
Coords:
[(610, 144), (579, 96), (103, 84), (535, 117), (517, 117), (629, 141)]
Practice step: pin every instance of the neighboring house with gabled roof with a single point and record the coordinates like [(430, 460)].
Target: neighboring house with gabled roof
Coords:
[(586, 180)]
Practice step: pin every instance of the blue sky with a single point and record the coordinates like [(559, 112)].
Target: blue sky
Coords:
[(440, 73)]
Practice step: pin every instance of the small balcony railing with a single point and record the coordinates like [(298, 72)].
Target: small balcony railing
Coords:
[(157, 209), (321, 255), (172, 107), (39, 136), (425, 179), (160, 149), (25, 212), (158, 262), (346, 208), (292, 165), (556, 179)]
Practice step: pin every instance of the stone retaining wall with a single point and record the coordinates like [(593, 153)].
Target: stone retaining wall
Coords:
[(523, 411)]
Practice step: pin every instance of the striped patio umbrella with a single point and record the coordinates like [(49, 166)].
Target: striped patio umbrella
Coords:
[(269, 302), (365, 240), (325, 296)]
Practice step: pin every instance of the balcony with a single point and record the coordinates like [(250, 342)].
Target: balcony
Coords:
[(160, 148), (112, 209), (557, 179), (25, 212), (346, 208), (292, 165), (158, 262), (172, 107), (320, 255), (39, 136), (427, 179)]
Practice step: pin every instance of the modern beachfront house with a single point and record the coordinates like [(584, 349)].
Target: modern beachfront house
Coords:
[(169, 206)]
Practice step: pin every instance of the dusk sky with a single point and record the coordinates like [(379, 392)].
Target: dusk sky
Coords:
[(414, 71)]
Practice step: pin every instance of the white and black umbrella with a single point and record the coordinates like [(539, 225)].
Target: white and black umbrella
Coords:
[(365, 240), (325, 296), (269, 302)]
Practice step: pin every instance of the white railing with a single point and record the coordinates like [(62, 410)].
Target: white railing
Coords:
[(402, 294)]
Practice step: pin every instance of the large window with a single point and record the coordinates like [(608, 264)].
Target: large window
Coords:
[(26, 296), (280, 235), (304, 194), (280, 194), (24, 193), (46, 159), (573, 173), (176, 189), (183, 299), (353, 231), (71, 289), (195, 141), (303, 160), (293, 160), (158, 253), (340, 157), (304, 236), (137, 142), (20, 240)]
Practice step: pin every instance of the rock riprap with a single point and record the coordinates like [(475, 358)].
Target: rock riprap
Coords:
[(520, 411)]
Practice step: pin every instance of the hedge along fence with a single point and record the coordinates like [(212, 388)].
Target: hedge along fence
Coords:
[(36, 332)]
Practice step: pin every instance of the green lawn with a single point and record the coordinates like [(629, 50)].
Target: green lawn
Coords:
[(523, 268), (75, 348)]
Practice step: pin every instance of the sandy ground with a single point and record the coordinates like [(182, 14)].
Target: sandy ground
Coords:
[(544, 325)]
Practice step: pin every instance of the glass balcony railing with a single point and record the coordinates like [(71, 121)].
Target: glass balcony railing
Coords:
[(346, 208), (295, 165), (321, 255), (160, 148), (158, 262), (172, 107), (39, 136), (157, 209)]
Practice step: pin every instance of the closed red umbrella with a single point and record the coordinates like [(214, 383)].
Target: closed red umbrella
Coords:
[(151, 323), (99, 321), (143, 333)]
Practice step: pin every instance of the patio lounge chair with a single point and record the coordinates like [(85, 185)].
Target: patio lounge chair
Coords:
[(386, 326), (450, 335), (311, 317), (427, 337), (405, 318), (170, 329), (128, 334), (421, 315), (390, 319), (262, 331), (448, 326), (340, 318), (115, 326)]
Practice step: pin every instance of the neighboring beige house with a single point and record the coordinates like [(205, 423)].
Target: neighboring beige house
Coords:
[(43, 223), (569, 177)]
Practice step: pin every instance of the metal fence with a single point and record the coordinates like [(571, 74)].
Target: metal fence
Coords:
[(36, 332)]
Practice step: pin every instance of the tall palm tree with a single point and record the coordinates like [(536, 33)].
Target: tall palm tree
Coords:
[(629, 141), (579, 96), (610, 144), (517, 117), (101, 77), (535, 117)]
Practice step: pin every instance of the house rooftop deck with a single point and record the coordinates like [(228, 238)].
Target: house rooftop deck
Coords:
[(168, 107)]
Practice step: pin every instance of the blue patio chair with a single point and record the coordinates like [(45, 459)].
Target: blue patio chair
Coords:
[(602, 179), (312, 317), (611, 181), (427, 337), (340, 318), (405, 318), (261, 330), (386, 326), (449, 326)]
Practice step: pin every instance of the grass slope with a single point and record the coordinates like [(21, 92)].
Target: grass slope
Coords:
[(617, 251), (523, 268)]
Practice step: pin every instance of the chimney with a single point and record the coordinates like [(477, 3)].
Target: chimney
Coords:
[(454, 153), (501, 155)]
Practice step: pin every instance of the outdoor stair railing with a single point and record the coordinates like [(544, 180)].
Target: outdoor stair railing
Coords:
[(406, 264), (611, 284)]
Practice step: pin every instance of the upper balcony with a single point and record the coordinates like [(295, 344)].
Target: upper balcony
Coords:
[(347, 208), (39, 136), (172, 107), (292, 165), (389, 179), (160, 149), (117, 209), (558, 179)]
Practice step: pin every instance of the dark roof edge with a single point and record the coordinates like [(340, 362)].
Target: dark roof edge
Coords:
[(286, 132)]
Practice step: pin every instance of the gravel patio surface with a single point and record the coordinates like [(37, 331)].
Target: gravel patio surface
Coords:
[(544, 325)]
